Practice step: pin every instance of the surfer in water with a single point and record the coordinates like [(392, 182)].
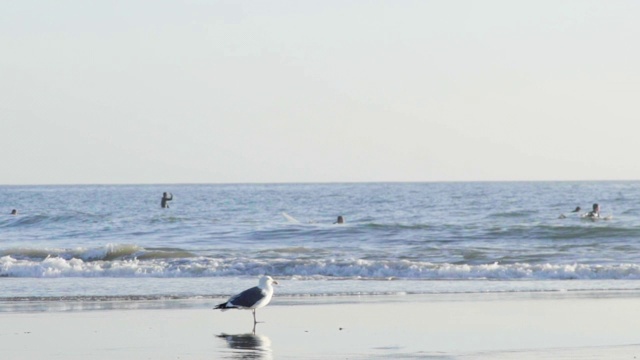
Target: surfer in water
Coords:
[(340, 220), (166, 197), (562, 216), (595, 213)]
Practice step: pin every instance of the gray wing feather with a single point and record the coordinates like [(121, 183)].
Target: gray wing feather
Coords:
[(247, 298)]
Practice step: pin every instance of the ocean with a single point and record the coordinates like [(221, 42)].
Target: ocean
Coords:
[(114, 243)]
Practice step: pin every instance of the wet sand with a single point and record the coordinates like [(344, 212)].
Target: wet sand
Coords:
[(460, 326)]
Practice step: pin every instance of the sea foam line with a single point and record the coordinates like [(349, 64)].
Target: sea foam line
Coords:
[(312, 269)]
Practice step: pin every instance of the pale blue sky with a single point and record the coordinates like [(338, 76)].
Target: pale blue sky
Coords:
[(316, 91)]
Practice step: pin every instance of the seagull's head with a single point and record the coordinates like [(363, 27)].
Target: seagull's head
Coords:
[(266, 281)]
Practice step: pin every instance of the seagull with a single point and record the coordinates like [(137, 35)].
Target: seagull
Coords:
[(254, 298)]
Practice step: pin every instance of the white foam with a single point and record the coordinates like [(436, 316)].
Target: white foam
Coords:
[(57, 266)]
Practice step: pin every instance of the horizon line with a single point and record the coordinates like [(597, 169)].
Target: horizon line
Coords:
[(323, 182)]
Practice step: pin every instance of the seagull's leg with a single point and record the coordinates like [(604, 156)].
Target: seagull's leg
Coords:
[(254, 318), (254, 329)]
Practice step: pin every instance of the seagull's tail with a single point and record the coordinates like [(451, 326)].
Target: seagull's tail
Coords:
[(223, 306)]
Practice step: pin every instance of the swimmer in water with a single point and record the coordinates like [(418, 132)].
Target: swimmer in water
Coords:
[(563, 216), (340, 220), (595, 213), (166, 197), (14, 212)]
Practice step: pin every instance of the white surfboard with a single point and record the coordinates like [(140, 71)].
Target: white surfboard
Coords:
[(587, 217), (290, 218)]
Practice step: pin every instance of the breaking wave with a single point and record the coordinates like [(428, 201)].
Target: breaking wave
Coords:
[(134, 261)]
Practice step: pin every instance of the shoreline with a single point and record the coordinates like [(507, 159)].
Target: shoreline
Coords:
[(169, 302), (20, 292), (451, 326)]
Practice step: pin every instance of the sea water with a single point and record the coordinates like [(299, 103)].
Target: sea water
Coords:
[(101, 242)]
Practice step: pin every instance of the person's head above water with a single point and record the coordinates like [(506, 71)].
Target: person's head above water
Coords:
[(596, 207), (14, 212), (576, 209), (340, 220)]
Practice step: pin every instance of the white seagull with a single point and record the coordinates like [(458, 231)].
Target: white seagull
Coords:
[(254, 298)]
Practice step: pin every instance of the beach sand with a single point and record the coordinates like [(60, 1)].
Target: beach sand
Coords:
[(449, 326)]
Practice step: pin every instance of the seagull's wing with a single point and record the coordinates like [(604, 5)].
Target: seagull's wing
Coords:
[(247, 298)]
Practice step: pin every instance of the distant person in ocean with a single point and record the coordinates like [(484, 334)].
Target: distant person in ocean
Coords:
[(595, 213), (14, 212), (166, 197), (340, 220), (563, 216)]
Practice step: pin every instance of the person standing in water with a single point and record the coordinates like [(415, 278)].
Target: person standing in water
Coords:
[(166, 197)]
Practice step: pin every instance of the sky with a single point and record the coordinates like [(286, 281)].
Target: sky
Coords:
[(128, 92)]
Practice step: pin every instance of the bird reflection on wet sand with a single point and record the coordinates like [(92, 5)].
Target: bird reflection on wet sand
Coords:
[(248, 346)]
